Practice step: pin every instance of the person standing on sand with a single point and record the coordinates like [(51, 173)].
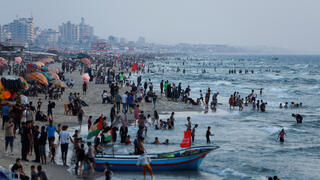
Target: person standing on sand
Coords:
[(5, 114), (154, 100), (136, 114), (64, 138), (84, 88), (161, 87), (42, 144), (118, 100), (9, 135), (80, 116), (112, 113), (124, 100), (89, 122), (144, 160)]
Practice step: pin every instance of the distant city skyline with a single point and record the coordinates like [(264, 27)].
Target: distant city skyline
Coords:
[(290, 24)]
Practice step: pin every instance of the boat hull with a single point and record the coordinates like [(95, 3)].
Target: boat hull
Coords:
[(176, 162)]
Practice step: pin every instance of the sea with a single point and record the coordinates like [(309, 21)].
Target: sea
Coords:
[(248, 139)]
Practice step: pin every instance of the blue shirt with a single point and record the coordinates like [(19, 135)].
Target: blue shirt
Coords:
[(130, 99), (117, 97), (5, 110), (51, 130)]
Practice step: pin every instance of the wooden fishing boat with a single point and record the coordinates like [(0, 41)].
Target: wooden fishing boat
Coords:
[(184, 159)]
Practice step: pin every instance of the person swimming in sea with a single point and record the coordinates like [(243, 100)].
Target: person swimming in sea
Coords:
[(166, 142), (263, 106), (281, 136), (156, 141), (298, 117)]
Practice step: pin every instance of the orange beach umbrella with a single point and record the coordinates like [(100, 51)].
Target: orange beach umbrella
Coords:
[(37, 77)]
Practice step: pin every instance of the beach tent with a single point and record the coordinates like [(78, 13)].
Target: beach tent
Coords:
[(36, 76)]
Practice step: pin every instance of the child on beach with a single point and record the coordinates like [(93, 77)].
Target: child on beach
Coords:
[(52, 153)]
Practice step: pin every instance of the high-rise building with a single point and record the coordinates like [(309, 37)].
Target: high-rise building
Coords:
[(22, 29), (86, 32), (112, 40), (70, 33), (123, 41), (141, 40), (48, 38), (5, 34)]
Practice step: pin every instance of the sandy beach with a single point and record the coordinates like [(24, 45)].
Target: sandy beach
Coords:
[(95, 109)]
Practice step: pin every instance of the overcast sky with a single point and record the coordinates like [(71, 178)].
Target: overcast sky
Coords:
[(292, 24)]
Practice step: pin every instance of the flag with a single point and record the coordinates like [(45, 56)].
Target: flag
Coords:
[(108, 136), (186, 142), (134, 67), (95, 128)]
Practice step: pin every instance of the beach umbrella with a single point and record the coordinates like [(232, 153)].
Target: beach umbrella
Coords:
[(54, 75), (36, 76), (38, 63), (46, 60), (85, 60), (18, 60), (56, 70), (3, 61), (59, 83), (44, 69), (82, 55), (47, 75), (71, 55)]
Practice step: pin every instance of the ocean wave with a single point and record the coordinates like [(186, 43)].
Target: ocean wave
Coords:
[(222, 83), (314, 88), (272, 130), (276, 90), (275, 77), (226, 172)]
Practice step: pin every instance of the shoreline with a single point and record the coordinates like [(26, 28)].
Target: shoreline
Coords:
[(95, 109)]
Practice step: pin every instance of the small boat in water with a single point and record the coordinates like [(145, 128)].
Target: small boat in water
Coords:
[(184, 159)]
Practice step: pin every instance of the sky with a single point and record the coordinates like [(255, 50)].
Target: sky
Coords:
[(290, 24)]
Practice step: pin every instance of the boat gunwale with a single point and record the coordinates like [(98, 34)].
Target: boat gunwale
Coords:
[(206, 150)]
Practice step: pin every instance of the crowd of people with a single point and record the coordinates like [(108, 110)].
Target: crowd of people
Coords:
[(126, 98)]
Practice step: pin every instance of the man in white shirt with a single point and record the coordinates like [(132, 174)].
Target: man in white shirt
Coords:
[(124, 98), (64, 138)]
